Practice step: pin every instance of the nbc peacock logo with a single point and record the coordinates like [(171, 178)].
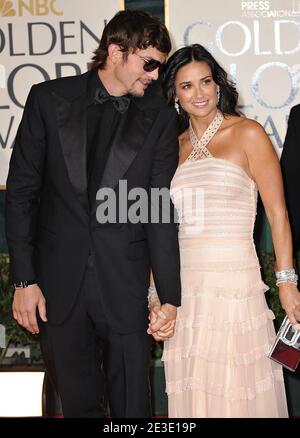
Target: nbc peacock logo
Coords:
[(37, 8), (7, 9)]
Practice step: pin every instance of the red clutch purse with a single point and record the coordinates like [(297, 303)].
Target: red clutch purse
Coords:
[(286, 348)]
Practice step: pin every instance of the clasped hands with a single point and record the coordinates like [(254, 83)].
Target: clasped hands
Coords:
[(162, 320)]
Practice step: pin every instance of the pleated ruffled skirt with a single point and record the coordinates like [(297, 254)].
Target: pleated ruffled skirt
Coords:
[(216, 365)]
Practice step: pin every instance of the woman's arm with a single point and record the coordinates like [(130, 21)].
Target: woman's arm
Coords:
[(265, 170), (153, 299), (290, 166)]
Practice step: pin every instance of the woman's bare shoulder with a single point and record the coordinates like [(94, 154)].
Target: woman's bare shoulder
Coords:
[(253, 138), (250, 127), (246, 130)]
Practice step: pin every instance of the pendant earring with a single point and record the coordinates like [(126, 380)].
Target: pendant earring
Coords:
[(218, 94), (176, 105)]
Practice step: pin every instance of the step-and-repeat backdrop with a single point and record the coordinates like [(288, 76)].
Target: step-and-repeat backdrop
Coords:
[(257, 42), (40, 40)]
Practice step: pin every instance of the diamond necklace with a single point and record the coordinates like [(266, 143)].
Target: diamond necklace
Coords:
[(199, 145)]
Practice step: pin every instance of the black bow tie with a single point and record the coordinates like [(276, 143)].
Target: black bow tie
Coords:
[(121, 103)]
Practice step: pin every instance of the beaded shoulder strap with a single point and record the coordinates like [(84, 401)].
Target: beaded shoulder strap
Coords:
[(199, 145)]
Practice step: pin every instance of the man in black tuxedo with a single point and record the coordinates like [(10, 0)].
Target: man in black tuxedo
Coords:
[(81, 282), (290, 165)]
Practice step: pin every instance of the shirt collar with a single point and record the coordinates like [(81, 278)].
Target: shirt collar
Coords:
[(93, 84)]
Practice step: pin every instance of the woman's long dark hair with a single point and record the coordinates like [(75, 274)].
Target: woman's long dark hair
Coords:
[(195, 52)]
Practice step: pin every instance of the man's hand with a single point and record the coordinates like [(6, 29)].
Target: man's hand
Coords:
[(162, 321), (25, 302)]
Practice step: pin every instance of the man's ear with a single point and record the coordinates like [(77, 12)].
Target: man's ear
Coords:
[(114, 53)]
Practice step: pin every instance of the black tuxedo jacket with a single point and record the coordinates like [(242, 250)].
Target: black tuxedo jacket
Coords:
[(50, 228), (290, 165)]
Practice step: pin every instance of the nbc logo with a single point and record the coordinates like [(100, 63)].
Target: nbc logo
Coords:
[(10, 8), (6, 9)]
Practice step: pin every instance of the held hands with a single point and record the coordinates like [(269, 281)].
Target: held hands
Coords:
[(162, 320), (290, 301), (25, 302)]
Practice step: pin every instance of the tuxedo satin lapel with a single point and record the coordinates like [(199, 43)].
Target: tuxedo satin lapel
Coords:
[(71, 118), (126, 142)]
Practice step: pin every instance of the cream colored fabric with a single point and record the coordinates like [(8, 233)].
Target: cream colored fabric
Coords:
[(216, 364)]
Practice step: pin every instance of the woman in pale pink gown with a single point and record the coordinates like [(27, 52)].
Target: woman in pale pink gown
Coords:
[(216, 363)]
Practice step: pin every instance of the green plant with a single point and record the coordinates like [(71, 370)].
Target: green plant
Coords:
[(15, 335)]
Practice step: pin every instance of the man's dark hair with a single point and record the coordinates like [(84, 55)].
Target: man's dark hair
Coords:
[(132, 30)]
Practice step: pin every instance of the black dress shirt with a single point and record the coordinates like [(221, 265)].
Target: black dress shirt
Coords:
[(99, 117)]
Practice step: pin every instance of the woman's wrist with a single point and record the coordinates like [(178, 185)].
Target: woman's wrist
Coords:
[(152, 296), (286, 276)]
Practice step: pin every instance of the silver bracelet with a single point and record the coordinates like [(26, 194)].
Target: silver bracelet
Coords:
[(286, 276), (151, 291)]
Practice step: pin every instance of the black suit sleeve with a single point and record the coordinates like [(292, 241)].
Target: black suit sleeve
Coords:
[(163, 236), (23, 189), (290, 165)]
